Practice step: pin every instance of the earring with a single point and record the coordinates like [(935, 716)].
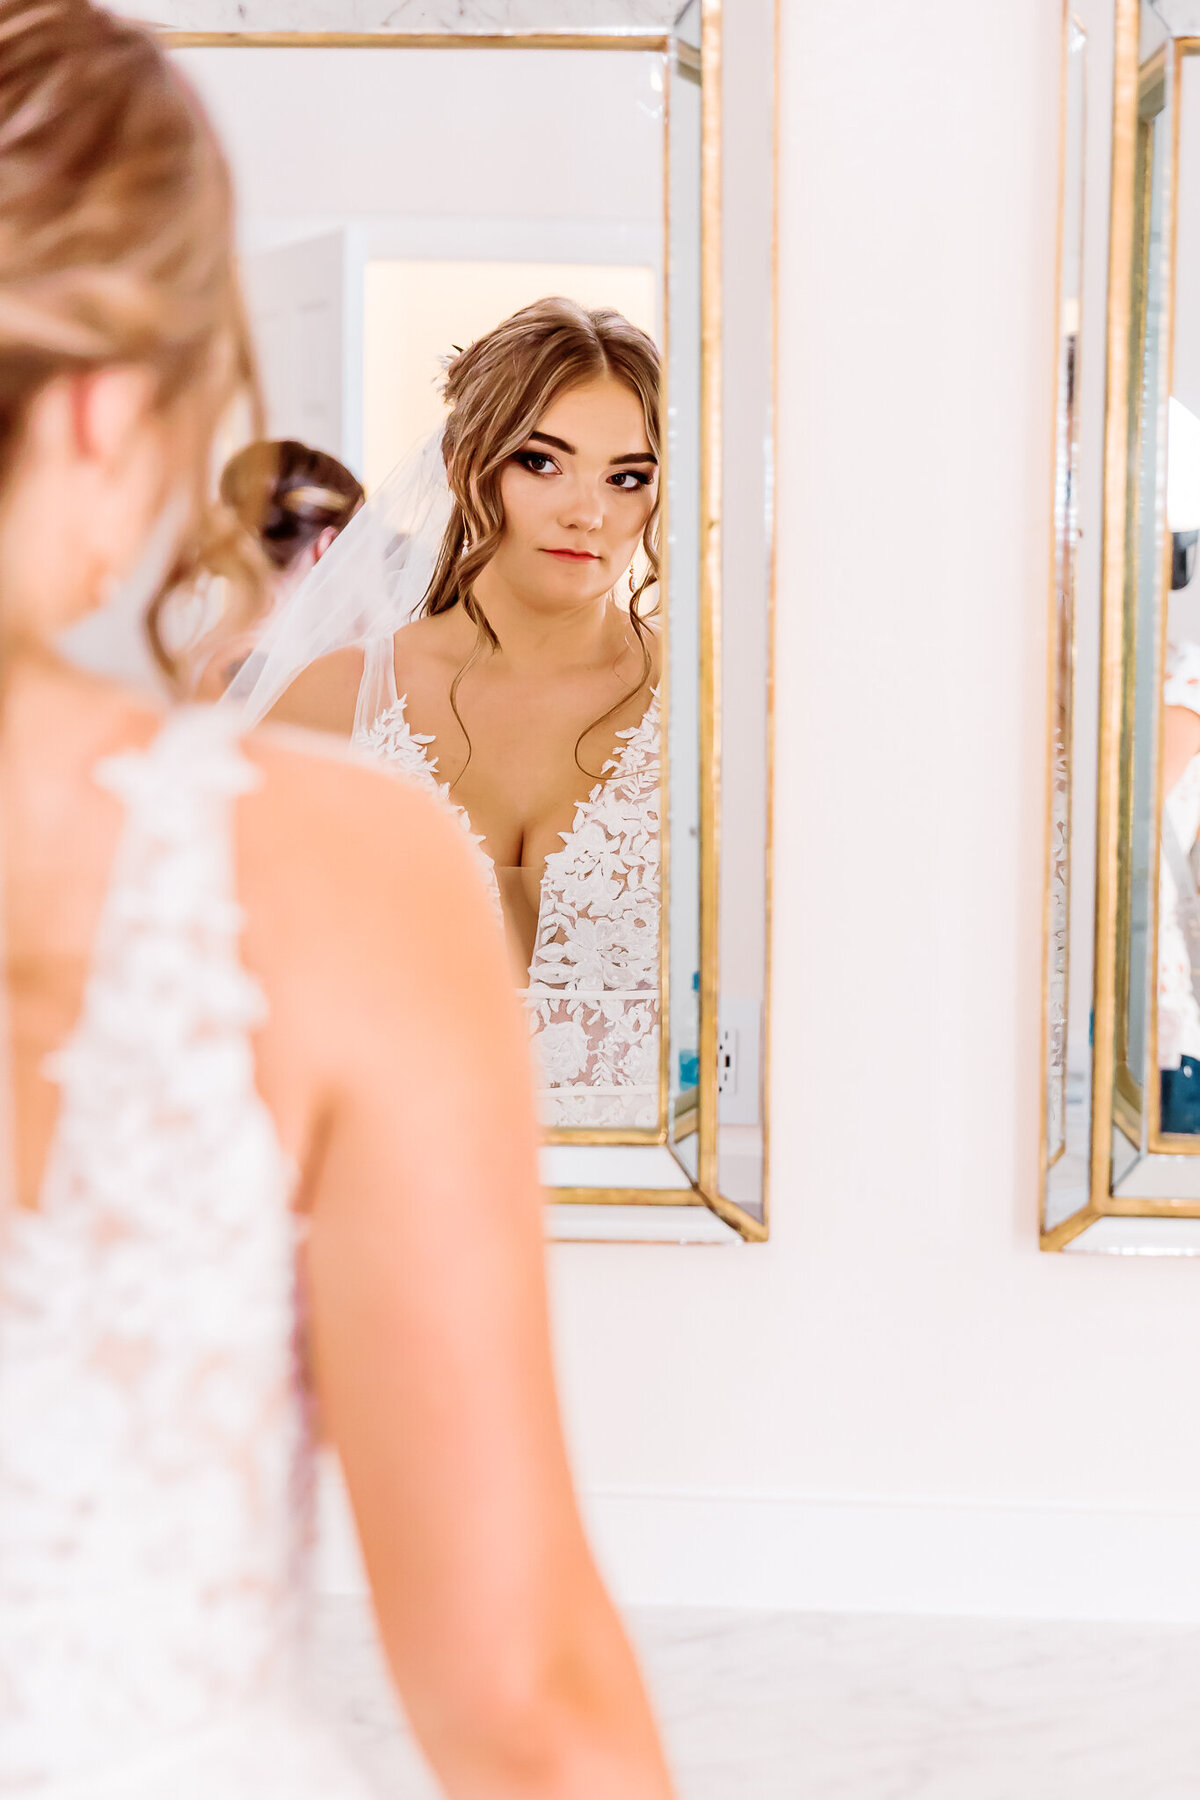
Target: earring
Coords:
[(632, 584)]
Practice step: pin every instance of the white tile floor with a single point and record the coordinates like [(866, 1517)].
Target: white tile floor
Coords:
[(779, 1706)]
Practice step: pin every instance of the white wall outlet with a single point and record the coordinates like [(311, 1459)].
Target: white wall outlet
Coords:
[(739, 1062)]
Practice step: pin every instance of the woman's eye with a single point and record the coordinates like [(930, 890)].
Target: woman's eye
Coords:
[(629, 480), (536, 462)]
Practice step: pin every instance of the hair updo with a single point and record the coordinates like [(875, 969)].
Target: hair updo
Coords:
[(287, 494), (116, 244), (497, 390)]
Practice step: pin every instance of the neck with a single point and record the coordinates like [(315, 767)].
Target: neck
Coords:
[(563, 638)]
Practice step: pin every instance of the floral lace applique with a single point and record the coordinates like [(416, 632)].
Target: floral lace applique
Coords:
[(593, 994), (156, 1460)]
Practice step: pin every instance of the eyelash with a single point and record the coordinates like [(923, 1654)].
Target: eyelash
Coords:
[(527, 458)]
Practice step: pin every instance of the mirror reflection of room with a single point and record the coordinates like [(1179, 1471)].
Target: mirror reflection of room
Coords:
[(1179, 902), (525, 690), (1178, 995), (495, 360)]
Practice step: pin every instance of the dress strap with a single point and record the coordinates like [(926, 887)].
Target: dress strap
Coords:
[(377, 693)]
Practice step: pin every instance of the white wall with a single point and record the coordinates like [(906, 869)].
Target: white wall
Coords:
[(428, 134), (898, 1403)]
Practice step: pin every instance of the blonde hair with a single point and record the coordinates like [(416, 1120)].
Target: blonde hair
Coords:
[(116, 246), (497, 391)]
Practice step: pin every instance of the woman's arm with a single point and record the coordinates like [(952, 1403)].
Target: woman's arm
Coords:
[(431, 1341)]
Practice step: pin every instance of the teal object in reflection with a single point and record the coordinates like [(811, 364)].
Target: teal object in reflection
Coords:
[(689, 1060)]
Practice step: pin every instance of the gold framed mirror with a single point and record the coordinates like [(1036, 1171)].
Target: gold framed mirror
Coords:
[(1131, 1181), (621, 153)]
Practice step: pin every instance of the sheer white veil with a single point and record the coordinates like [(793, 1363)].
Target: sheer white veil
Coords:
[(369, 583)]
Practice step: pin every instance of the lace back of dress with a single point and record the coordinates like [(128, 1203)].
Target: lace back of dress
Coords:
[(153, 1442)]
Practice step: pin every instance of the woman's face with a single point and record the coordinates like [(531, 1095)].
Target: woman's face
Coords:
[(577, 496)]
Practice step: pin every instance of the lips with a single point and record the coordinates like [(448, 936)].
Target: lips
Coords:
[(575, 556)]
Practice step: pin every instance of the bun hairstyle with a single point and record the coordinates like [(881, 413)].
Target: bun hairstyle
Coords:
[(287, 494), (116, 247), (497, 390)]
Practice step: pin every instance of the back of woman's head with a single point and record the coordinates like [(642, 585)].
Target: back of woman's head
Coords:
[(116, 238), (289, 495)]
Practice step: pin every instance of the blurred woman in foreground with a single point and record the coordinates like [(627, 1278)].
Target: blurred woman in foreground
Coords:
[(238, 1194)]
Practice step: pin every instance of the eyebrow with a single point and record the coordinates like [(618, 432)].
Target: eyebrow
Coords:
[(556, 443)]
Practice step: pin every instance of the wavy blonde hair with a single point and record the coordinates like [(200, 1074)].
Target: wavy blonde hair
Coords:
[(497, 391), (116, 248)]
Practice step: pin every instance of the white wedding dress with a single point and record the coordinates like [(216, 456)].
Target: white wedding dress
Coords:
[(593, 994), (157, 1462)]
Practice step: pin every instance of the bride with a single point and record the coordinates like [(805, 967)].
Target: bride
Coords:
[(525, 689), (246, 1201)]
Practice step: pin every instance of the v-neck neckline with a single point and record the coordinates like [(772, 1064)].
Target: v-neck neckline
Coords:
[(611, 770)]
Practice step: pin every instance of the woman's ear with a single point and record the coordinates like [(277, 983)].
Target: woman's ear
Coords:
[(322, 544), (107, 407)]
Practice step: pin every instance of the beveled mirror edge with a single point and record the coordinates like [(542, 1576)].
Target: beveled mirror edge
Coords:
[(623, 1206), (1053, 673), (750, 1226)]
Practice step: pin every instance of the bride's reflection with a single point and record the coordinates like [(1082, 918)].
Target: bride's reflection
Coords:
[(526, 688)]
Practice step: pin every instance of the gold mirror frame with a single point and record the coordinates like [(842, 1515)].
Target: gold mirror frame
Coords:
[(614, 1212), (1127, 1206)]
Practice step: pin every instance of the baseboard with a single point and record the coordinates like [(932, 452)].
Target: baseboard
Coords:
[(797, 1553)]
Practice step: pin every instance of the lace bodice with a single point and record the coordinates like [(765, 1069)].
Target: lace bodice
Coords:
[(593, 993), (155, 1455)]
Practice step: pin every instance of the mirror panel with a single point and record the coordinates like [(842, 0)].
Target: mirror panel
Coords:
[(743, 647), (375, 238), (1066, 1096), (1142, 1192)]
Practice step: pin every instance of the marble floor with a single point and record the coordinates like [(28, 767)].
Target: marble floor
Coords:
[(779, 1706)]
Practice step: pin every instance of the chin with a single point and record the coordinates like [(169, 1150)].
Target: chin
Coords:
[(568, 585)]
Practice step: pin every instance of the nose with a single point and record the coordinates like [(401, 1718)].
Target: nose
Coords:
[(582, 506)]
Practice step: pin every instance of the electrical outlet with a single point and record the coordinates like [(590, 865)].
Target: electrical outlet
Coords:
[(739, 1062), (727, 1062)]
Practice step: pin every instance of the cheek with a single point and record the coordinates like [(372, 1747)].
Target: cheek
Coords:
[(525, 506), (640, 511)]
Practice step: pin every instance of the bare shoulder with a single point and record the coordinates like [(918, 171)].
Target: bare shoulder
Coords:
[(430, 647), (226, 661), (344, 856), (1183, 720), (323, 804), (369, 926), (324, 696)]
